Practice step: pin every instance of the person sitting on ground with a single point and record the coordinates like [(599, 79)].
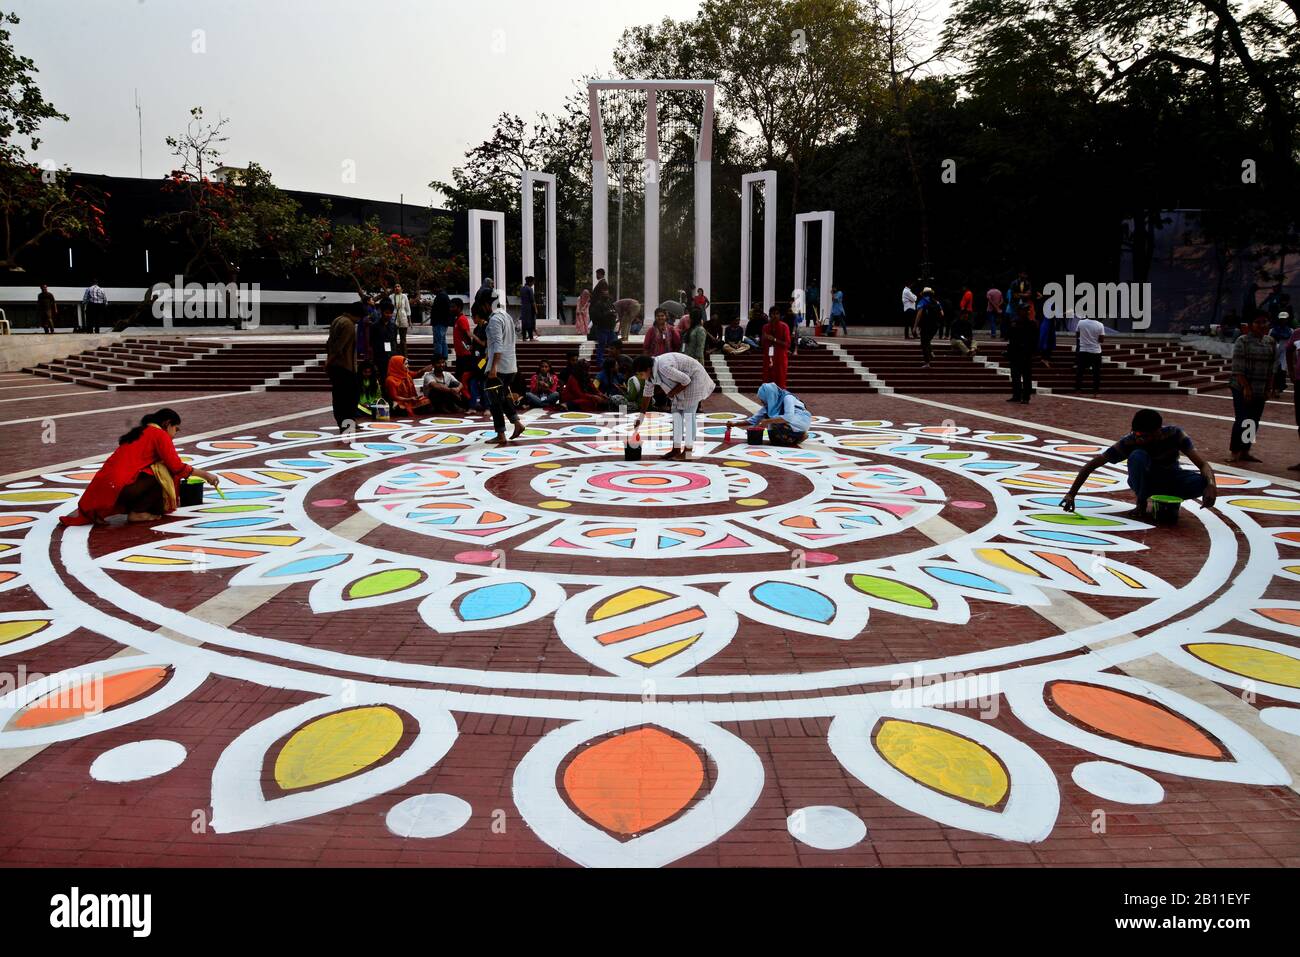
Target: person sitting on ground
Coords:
[(783, 415), (441, 388), (141, 478), (579, 393), (400, 389), (963, 335), (639, 393), (610, 380), (370, 390), (543, 388), (623, 361), (733, 338), (1152, 451), (612, 384)]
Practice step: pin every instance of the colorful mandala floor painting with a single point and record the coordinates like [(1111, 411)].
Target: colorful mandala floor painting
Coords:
[(643, 589)]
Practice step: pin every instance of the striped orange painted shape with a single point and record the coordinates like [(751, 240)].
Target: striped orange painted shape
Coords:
[(648, 627)]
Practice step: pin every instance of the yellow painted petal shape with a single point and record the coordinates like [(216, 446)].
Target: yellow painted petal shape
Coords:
[(944, 761), (629, 600), (337, 745), (1258, 663), (13, 630)]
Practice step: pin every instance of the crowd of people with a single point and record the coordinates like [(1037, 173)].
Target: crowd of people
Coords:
[(475, 369)]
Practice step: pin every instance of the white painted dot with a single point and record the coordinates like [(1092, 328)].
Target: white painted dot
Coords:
[(137, 761), (826, 828), (428, 815), (22, 485), (1284, 719), (1283, 492), (1114, 782)]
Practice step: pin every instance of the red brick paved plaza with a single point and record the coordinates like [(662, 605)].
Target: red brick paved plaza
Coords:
[(888, 649)]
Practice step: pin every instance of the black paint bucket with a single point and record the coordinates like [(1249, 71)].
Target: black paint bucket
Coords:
[(754, 436), (191, 493), (1165, 509)]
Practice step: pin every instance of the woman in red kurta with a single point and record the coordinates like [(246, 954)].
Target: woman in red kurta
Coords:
[(400, 388), (775, 343), (139, 479), (580, 394)]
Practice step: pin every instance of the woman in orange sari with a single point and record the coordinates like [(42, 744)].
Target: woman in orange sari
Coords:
[(140, 479), (400, 388)]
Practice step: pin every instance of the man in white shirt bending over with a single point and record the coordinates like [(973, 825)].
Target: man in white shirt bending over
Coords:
[(1088, 353)]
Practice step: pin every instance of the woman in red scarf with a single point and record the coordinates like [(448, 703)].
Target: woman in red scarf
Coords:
[(140, 479), (401, 387), (775, 343)]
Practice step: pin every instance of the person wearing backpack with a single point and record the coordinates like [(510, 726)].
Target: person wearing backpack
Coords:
[(929, 316)]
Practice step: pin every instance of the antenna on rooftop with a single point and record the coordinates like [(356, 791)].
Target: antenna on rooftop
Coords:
[(139, 116)]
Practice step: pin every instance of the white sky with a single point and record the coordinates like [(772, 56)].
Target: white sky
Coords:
[(400, 87)]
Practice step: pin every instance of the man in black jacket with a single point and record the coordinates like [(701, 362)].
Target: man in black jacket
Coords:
[(1021, 348)]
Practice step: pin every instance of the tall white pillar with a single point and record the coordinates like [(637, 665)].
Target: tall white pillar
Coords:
[(704, 198), (498, 220), (747, 184), (530, 179), (827, 277), (651, 201), (599, 188)]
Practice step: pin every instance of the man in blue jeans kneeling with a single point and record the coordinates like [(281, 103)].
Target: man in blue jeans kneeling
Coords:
[(1152, 450)]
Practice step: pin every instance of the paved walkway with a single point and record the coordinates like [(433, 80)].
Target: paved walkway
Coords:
[(889, 648)]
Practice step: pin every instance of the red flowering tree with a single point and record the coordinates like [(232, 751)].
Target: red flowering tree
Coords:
[(372, 260)]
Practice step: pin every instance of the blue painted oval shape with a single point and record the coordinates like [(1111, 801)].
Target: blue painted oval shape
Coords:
[(305, 566), (494, 601), (795, 600), (235, 523), (238, 494), (1072, 538), (989, 466), (956, 576), (386, 447)]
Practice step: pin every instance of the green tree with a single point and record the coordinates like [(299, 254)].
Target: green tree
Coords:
[(221, 225), (35, 204)]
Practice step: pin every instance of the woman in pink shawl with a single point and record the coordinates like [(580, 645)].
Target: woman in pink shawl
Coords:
[(582, 315)]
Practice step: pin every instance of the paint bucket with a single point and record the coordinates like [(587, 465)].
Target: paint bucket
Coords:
[(754, 436), (191, 492), (1165, 509), (632, 448)]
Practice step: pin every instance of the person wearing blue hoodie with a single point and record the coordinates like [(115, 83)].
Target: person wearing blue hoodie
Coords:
[(786, 418)]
